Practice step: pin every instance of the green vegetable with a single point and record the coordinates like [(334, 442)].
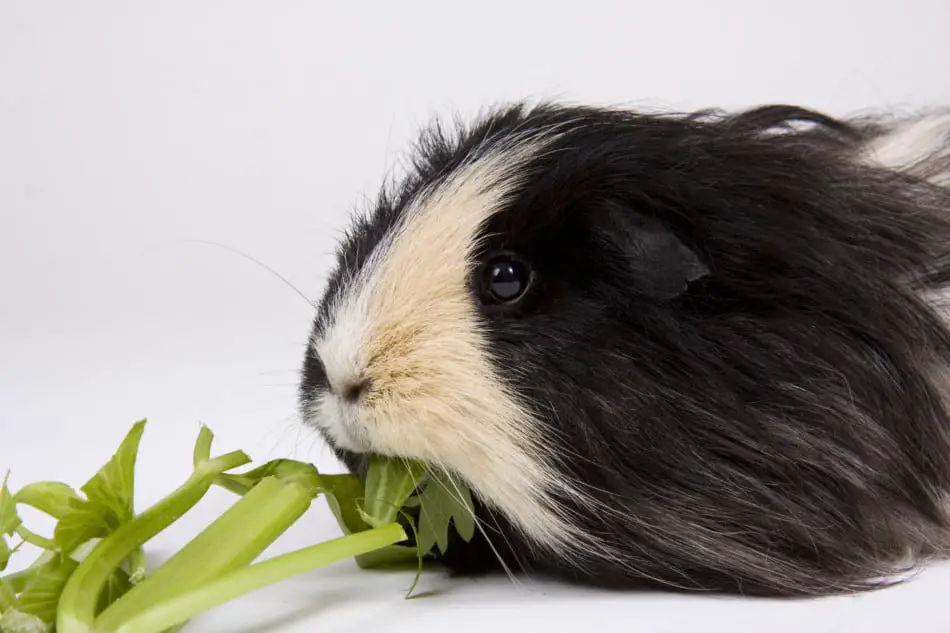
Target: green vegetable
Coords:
[(9, 522), (392, 482), (442, 501), (53, 498), (91, 575)]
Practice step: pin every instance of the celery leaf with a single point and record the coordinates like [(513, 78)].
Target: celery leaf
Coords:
[(50, 497), (109, 498), (343, 493), (113, 487), (9, 521), (5, 552), (287, 470), (389, 482), (443, 501), (85, 520), (41, 595)]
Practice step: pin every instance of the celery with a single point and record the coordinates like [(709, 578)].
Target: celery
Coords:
[(160, 616), (9, 522), (77, 606), (91, 576), (234, 540)]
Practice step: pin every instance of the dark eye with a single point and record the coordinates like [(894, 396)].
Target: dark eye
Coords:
[(506, 278)]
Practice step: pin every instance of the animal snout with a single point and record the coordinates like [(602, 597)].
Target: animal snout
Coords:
[(352, 389)]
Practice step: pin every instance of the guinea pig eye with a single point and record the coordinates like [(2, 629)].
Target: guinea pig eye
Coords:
[(505, 278)]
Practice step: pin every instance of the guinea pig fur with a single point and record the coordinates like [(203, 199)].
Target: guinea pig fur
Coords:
[(694, 351)]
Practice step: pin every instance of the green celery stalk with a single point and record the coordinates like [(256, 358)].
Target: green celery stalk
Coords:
[(233, 540), (106, 588), (158, 617), (77, 606)]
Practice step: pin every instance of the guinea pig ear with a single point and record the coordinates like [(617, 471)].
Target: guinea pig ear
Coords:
[(658, 263)]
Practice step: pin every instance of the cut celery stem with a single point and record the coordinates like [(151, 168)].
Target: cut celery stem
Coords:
[(233, 540), (137, 567), (78, 602), (157, 618)]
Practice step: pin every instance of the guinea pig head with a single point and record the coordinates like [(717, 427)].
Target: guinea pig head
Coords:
[(402, 360), (691, 350)]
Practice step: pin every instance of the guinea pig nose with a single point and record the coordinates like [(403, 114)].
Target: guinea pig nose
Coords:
[(353, 390)]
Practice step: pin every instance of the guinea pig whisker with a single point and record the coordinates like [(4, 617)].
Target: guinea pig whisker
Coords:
[(293, 371), (250, 258)]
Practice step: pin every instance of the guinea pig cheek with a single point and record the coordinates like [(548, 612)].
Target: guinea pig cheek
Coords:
[(437, 398), (430, 392)]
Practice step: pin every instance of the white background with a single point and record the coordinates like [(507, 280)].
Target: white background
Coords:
[(128, 129)]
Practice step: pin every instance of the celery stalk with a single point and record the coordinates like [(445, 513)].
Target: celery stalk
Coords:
[(160, 616), (233, 540), (77, 607), (92, 577)]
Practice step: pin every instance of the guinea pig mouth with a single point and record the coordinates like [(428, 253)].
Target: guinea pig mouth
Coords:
[(358, 464)]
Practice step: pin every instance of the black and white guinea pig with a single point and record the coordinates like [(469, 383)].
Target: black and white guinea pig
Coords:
[(698, 351)]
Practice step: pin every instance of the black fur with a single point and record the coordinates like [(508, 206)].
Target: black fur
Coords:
[(726, 340)]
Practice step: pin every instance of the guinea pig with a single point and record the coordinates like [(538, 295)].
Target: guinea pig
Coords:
[(699, 351)]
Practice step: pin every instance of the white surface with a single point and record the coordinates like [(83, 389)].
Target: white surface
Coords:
[(129, 128)]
